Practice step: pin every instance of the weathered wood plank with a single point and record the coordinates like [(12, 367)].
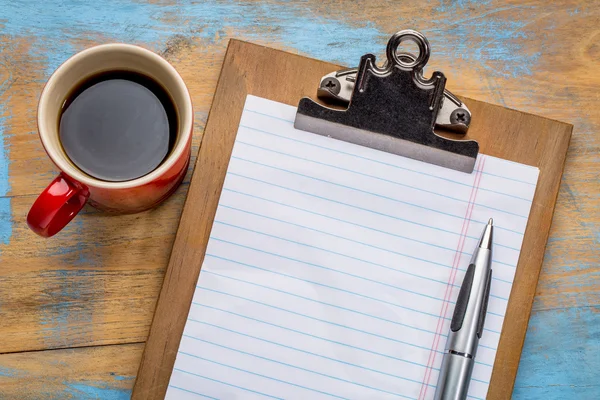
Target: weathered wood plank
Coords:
[(108, 372), (105, 372), (534, 56), (563, 357), (96, 284)]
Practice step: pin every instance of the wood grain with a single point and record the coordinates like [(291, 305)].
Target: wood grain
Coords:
[(252, 69), (97, 283), (109, 373)]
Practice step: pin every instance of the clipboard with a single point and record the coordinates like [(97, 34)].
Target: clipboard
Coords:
[(286, 78)]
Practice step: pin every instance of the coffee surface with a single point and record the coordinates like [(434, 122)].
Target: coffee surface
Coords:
[(118, 126)]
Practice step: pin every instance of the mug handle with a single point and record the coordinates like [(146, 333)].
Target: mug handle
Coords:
[(57, 205)]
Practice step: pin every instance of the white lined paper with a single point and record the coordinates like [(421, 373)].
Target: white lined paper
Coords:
[(332, 269)]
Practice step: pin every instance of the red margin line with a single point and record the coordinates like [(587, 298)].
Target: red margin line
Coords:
[(455, 263)]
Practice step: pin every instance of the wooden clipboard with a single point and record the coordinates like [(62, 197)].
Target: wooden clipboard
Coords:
[(285, 77)]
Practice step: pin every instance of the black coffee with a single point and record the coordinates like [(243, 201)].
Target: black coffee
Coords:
[(118, 126)]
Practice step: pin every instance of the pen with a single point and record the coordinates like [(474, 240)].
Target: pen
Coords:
[(467, 322)]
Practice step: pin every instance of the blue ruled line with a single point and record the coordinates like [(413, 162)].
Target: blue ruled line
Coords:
[(317, 248), (263, 376), (352, 240), (320, 320), (324, 285), (475, 397), (370, 193), (384, 163), (204, 271), (511, 179), (379, 178), (362, 209), (314, 336), (269, 115), (192, 392), (353, 223), (343, 255), (307, 352), (329, 251), (297, 367), (436, 316), (325, 339), (345, 273), (224, 383)]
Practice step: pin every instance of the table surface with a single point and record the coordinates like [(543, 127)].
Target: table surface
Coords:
[(75, 309)]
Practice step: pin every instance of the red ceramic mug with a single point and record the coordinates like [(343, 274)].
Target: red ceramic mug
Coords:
[(72, 188)]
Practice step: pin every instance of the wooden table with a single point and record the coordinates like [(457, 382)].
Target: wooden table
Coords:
[(75, 309)]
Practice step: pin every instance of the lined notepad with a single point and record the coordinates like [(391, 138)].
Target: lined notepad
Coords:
[(332, 269)]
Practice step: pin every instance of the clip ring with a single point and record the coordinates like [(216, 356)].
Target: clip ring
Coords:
[(402, 36)]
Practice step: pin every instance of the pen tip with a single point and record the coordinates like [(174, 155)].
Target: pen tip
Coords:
[(491, 222)]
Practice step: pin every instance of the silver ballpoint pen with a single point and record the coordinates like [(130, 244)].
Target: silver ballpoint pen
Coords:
[(467, 322)]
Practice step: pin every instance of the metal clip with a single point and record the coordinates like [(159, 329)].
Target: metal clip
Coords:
[(337, 87), (393, 108)]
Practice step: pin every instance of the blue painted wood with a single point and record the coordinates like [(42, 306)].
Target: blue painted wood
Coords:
[(561, 357), (5, 206)]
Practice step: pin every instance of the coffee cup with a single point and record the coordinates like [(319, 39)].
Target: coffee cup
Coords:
[(111, 152)]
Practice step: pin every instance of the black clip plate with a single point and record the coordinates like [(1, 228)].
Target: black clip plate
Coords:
[(393, 109)]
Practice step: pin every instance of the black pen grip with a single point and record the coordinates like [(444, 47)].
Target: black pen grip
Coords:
[(463, 300), (483, 310)]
